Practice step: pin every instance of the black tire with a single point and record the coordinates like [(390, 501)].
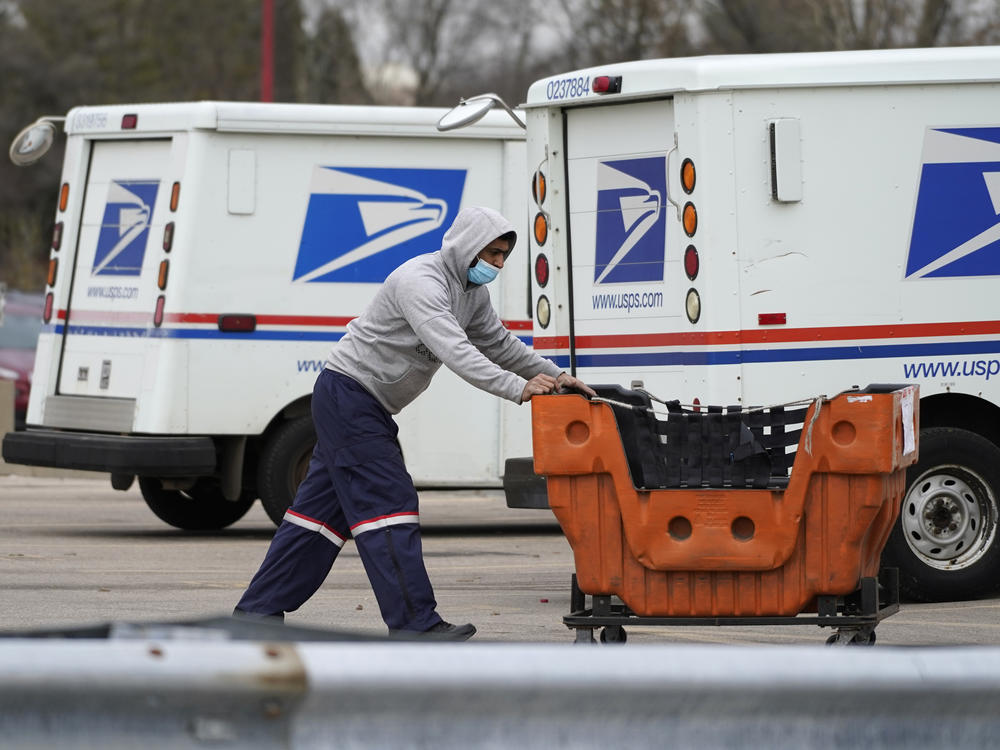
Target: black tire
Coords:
[(852, 637), (613, 634), (200, 508), (945, 543), (283, 464)]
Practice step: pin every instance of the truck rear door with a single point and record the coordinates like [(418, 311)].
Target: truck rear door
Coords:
[(626, 247), (114, 286)]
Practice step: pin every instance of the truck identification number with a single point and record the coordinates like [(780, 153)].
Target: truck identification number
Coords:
[(568, 88)]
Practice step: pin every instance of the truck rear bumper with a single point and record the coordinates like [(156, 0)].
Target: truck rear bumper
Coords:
[(117, 454)]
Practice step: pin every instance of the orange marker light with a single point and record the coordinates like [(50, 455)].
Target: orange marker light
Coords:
[(175, 196), (541, 228), (690, 219), (687, 175), (538, 187), (161, 279), (53, 267), (64, 196)]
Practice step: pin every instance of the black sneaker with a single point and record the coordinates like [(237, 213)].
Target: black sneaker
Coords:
[(443, 631), (243, 614)]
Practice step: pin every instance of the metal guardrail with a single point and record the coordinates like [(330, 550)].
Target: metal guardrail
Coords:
[(186, 688)]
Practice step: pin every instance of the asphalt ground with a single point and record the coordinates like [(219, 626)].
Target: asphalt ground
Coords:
[(75, 553)]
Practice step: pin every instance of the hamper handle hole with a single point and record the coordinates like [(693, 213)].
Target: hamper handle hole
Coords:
[(679, 528), (743, 529)]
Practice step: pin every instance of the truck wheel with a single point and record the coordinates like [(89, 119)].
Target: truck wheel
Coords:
[(945, 543), (201, 508), (283, 464)]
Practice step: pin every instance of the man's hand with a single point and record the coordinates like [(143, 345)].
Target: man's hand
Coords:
[(538, 386), (542, 384), (567, 382)]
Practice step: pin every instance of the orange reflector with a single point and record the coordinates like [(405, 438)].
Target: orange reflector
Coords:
[(53, 267), (57, 235), (538, 187), (47, 312), (541, 228), (161, 279), (158, 313), (64, 196), (168, 236), (687, 175), (175, 196), (771, 319), (238, 323), (690, 219)]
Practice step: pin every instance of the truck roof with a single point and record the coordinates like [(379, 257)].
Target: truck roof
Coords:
[(648, 78), (258, 117)]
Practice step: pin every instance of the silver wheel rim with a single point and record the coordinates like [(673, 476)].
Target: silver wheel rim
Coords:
[(949, 518)]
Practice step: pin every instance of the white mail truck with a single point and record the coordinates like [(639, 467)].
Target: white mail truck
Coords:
[(206, 256), (760, 229)]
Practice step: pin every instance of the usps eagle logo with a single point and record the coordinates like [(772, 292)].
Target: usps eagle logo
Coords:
[(363, 222), (956, 222), (631, 221), (121, 241)]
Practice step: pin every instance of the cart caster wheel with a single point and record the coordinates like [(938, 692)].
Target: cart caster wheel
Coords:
[(585, 635), (863, 637), (614, 634)]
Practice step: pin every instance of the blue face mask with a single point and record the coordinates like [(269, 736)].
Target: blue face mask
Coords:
[(483, 272)]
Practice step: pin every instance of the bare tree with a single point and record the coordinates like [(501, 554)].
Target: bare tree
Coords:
[(427, 52), (332, 68), (60, 53), (801, 25), (977, 23), (605, 31)]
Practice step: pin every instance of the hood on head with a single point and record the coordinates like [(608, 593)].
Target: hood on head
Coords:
[(474, 228)]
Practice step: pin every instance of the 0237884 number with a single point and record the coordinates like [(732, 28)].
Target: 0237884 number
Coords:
[(568, 88)]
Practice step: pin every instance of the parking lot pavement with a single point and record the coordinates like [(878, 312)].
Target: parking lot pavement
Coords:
[(75, 552)]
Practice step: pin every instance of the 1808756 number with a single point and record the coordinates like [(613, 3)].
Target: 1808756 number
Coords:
[(568, 88)]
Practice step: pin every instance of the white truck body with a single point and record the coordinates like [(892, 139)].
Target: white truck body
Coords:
[(847, 232), (286, 216)]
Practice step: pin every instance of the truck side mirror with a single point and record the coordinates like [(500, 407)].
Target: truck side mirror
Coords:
[(472, 110), (34, 141)]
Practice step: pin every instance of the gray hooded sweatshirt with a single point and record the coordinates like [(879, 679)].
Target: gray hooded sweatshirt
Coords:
[(428, 313)]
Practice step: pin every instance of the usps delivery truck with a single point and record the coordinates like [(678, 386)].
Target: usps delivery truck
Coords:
[(760, 229), (205, 258)]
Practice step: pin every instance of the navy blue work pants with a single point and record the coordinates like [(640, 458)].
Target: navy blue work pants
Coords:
[(357, 485)]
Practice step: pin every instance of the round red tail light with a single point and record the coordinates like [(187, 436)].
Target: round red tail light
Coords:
[(541, 269), (691, 262)]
